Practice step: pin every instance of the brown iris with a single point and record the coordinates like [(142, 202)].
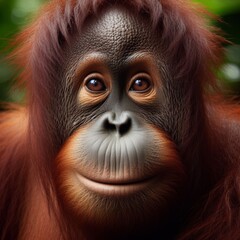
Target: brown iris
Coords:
[(95, 85), (140, 85)]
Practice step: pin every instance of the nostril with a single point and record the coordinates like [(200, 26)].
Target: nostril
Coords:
[(120, 126), (109, 126), (125, 127)]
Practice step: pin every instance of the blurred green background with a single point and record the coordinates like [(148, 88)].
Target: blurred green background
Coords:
[(15, 14)]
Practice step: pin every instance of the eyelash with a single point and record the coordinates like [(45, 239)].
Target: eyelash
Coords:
[(143, 81), (97, 82), (94, 83)]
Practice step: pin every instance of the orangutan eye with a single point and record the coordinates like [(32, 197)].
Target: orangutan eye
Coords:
[(140, 85), (95, 85)]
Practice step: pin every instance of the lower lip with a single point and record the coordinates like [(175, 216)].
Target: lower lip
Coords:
[(114, 189)]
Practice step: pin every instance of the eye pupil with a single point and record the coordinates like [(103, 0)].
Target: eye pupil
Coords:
[(95, 85), (94, 82), (140, 85)]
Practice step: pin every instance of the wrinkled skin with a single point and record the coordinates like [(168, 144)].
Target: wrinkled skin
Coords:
[(124, 133), (118, 161)]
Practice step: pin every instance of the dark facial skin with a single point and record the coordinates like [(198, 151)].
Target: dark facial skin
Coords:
[(117, 161)]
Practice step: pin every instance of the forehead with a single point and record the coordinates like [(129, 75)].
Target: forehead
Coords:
[(117, 33)]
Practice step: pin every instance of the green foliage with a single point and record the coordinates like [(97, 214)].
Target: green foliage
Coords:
[(221, 7), (229, 10), (14, 14)]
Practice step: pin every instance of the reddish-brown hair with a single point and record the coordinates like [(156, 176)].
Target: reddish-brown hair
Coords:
[(28, 141)]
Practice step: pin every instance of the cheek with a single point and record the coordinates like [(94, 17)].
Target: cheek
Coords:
[(102, 178)]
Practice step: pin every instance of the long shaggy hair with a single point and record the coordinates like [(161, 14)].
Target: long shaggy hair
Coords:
[(28, 137)]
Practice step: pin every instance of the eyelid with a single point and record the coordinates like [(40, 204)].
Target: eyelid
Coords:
[(140, 91), (141, 75), (104, 88), (97, 76), (143, 97), (88, 97)]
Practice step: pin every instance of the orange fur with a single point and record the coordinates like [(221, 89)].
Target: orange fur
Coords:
[(209, 141)]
